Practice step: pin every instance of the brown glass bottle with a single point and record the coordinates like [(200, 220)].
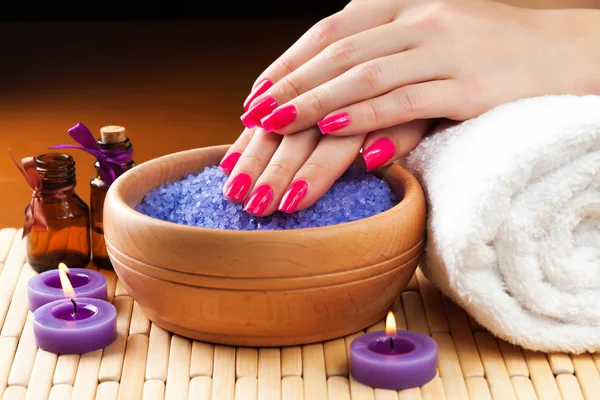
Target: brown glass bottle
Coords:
[(112, 139), (67, 239)]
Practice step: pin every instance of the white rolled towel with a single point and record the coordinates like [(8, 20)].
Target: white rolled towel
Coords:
[(514, 219)]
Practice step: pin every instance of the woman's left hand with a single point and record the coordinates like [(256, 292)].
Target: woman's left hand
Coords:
[(270, 172)]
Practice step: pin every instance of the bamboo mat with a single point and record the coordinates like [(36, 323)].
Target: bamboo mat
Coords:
[(148, 363)]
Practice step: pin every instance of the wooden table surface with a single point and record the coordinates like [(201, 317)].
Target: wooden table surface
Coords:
[(174, 85)]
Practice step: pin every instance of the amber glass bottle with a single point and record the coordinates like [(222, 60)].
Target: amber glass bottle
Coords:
[(114, 140), (67, 239)]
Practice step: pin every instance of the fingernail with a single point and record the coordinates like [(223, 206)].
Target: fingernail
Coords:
[(379, 153), (229, 162), (293, 196), (239, 187), (259, 200), (260, 89), (252, 117), (334, 123), (279, 118)]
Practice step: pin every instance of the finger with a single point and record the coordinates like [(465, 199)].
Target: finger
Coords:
[(235, 151), (250, 165), (326, 164), (363, 82), (291, 154), (385, 146), (433, 99), (336, 59), (344, 23)]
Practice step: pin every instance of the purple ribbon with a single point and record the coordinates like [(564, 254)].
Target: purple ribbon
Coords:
[(110, 161)]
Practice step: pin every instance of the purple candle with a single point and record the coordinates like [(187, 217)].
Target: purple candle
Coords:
[(393, 359), (46, 287), (75, 326)]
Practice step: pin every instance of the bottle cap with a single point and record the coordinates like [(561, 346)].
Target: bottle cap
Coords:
[(112, 134)]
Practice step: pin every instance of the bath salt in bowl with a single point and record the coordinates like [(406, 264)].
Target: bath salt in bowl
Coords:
[(197, 200), (202, 268)]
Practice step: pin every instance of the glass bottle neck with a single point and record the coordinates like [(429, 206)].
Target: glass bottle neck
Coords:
[(114, 148), (57, 172)]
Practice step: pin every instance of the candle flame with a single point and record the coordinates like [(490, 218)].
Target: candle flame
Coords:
[(390, 324), (64, 280)]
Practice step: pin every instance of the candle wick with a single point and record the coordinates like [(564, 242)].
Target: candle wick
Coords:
[(392, 342), (74, 306)]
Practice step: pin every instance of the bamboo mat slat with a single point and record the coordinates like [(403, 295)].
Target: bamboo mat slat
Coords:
[(246, 361), (66, 368), (291, 361), (155, 390), (60, 392), (148, 363)]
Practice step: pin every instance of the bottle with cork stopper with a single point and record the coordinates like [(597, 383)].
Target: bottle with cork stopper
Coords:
[(115, 144)]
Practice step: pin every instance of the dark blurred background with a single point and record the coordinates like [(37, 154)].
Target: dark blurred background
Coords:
[(174, 73), (156, 9)]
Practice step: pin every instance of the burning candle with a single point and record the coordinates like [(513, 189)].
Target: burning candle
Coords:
[(74, 325), (393, 359), (46, 287)]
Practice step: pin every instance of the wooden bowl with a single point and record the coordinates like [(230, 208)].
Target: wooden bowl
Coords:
[(260, 288)]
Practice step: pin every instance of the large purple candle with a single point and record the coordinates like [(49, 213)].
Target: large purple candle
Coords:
[(46, 287), (393, 360), (75, 326)]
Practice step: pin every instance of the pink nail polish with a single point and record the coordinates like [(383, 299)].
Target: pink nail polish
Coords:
[(260, 89), (379, 153), (252, 117), (229, 162), (259, 200), (238, 187), (279, 118), (292, 197), (334, 123)]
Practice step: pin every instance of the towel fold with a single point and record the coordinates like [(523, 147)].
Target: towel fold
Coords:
[(514, 219)]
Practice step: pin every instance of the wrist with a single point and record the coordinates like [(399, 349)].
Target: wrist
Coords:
[(573, 36)]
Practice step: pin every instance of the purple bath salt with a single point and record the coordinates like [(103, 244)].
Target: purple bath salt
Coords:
[(198, 200)]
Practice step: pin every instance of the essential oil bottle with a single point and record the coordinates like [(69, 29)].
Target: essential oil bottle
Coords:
[(67, 239), (113, 140)]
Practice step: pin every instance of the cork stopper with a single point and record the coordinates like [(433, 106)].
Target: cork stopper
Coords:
[(112, 134)]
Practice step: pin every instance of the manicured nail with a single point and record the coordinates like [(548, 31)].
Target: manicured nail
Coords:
[(379, 153), (334, 123), (279, 118), (252, 117), (293, 196), (259, 200), (260, 89), (229, 162), (239, 187)]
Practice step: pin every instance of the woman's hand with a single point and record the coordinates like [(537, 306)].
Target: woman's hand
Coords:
[(270, 172), (380, 63), (375, 75)]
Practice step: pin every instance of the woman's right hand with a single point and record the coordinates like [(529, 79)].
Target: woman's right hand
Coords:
[(380, 63)]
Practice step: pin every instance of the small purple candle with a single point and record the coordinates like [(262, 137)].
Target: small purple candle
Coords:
[(75, 326), (46, 287), (393, 359)]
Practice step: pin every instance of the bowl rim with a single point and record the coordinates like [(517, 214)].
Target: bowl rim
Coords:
[(115, 196)]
